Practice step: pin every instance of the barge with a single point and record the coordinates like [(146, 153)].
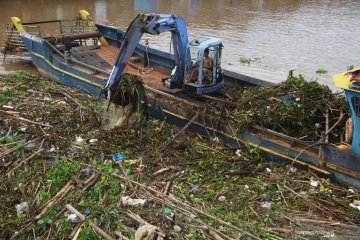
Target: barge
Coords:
[(89, 60)]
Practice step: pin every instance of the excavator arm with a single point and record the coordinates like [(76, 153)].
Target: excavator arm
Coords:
[(153, 24)]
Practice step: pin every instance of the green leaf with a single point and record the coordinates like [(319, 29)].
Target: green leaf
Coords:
[(40, 222)]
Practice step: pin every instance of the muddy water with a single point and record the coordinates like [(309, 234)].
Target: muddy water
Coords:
[(304, 35)]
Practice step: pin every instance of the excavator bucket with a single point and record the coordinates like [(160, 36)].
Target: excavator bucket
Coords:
[(127, 103)]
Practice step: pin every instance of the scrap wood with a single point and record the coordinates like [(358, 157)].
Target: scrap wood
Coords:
[(113, 175), (24, 119), (164, 149), (309, 202), (282, 195), (20, 162), (91, 181), (98, 230), (214, 234), (32, 122), (57, 198), (11, 150), (77, 233), (76, 230), (162, 170), (121, 236)]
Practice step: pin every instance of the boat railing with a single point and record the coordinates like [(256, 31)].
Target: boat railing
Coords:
[(13, 41), (76, 26)]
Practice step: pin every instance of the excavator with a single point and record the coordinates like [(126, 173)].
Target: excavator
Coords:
[(188, 56)]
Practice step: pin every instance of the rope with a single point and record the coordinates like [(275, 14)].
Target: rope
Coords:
[(147, 69)]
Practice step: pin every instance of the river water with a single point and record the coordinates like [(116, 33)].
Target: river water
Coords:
[(304, 35)]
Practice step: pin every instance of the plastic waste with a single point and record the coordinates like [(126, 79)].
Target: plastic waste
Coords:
[(93, 141), (73, 218), (22, 207), (87, 212), (314, 184), (267, 205), (238, 153), (127, 201), (194, 187), (87, 171), (169, 215), (246, 186), (318, 125), (22, 129), (79, 140), (177, 228), (118, 157), (145, 232), (355, 204), (130, 224), (31, 145), (287, 99), (222, 199), (267, 170), (267, 197), (293, 169)]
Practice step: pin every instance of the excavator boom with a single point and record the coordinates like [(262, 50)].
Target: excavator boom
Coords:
[(153, 24)]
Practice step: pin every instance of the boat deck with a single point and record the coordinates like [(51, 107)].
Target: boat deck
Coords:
[(153, 79)]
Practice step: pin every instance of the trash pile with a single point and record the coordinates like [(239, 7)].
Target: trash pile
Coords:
[(296, 107), (64, 177)]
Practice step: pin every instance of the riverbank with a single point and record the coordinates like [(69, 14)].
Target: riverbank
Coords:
[(55, 157)]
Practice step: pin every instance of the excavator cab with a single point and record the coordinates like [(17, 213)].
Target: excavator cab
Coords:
[(203, 73)]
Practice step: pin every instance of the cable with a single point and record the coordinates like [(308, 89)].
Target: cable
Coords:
[(147, 69)]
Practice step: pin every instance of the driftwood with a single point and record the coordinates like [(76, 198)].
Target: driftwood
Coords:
[(11, 150), (91, 181), (20, 162), (57, 198), (164, 149), (176, 202), (98, 230), (121, 236), (76, 230), (24, 119)]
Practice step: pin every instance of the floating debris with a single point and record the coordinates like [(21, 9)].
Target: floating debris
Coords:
[(61, 172)]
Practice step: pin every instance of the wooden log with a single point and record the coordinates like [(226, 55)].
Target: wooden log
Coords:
[(27, 159), (74, 211), (215, 235), (98, 230), (76, 230), (179, 133), (91, 181), (11, 150), (121, 236), (59, 195)]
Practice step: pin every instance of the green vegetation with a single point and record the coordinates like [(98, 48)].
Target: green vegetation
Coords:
[(214, 186), (296, 107), (322, 71), (248, 61)]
